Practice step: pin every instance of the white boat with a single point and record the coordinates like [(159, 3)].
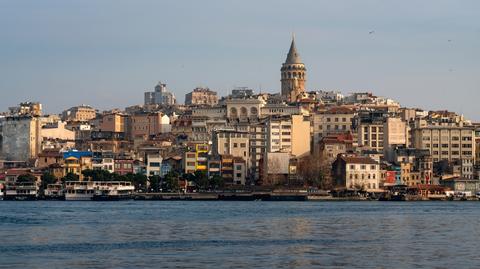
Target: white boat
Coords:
[(98, 190)]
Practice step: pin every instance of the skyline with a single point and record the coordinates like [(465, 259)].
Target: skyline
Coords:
[(106, 54)]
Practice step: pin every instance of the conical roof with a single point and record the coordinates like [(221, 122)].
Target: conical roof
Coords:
[(293, 57)]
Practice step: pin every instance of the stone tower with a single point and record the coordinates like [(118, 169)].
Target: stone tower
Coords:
[(293, 75)]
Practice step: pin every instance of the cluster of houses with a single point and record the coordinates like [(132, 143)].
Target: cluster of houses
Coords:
[(320, 139)]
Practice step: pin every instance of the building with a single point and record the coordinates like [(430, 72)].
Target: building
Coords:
[(154, 164), (332, 145), (160, 96), (113, 122), (276, 168), (395, 134), (33, 109), (293, 75), (201, 97), (335, 120), (239, 171), (467, 186), (149, 124), (356, 172), (123, 166), (288, 134), (77, 161), (80, 113), (21, 138), (231, 142), (446, 142)]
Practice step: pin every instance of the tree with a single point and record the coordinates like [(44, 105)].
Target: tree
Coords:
[(315, 171), (200, 179), (138, 180), (216, 182), (70, 177), (155, 182), (171, 182), (47, 178), (26, 178)]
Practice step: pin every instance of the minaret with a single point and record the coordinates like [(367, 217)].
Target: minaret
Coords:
[(293, 75)]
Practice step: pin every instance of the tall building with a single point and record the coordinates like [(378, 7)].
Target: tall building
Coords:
[(201, 96), (160, 96), (21, 138), (293, 73), (80, 113)]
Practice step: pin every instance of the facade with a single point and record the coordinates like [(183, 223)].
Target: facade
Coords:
[(154, 164), (288, 134), (332, 145), (446, 142), (160, 96), (293, 75), (81, 113), (230, 142), (201, 97), (123, 166), (332, 121), (149, 124), (113, 122), (356, 172), (21, 138), (77, 161)]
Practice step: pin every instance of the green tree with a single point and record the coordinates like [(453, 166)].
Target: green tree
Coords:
[(26, 178), (171, 182), (216, 182), (47, 178), (70, 177), (155, 182), (138, 180), (201, 180)]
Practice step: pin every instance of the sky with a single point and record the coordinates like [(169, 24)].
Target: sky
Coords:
[(107, 53)]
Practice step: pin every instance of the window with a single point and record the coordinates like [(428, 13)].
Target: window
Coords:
[(235, 145), (154, 164), (243, 145)]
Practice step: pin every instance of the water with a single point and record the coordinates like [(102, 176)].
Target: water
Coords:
[(186, 234)]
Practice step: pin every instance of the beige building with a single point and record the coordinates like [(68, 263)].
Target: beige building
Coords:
[(452, 143), (396, 133), (293, 75), (149, 124), (288, 134), (370, 135), (230, 142), (113, 122), (332, 121), (79, 113), (201, 96), (356, 172)]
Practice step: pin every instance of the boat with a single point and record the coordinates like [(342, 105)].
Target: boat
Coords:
[(98, 190), (54, 192), (114, 191), (21, 191)]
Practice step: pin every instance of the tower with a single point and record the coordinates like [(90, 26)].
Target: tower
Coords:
[(293, 73)]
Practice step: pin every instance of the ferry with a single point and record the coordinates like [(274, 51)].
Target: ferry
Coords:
[(114, 191), (98, 190), (21, 191), (54, 192)]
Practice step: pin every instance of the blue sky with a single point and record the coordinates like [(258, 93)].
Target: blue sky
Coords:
[(107, 53)]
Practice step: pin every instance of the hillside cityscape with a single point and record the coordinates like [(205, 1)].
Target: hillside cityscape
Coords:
[(293, 144)]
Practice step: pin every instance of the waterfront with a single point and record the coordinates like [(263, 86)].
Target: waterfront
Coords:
[(206, 234)]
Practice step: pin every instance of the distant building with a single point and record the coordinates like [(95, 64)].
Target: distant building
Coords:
[(293, 75), (356, 172), (21, 138), (27, 109), (77, 161), (201, 96), (160, 96), (81, 113), (149, 124)]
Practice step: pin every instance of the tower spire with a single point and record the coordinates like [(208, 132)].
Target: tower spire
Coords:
[(293, 57)]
